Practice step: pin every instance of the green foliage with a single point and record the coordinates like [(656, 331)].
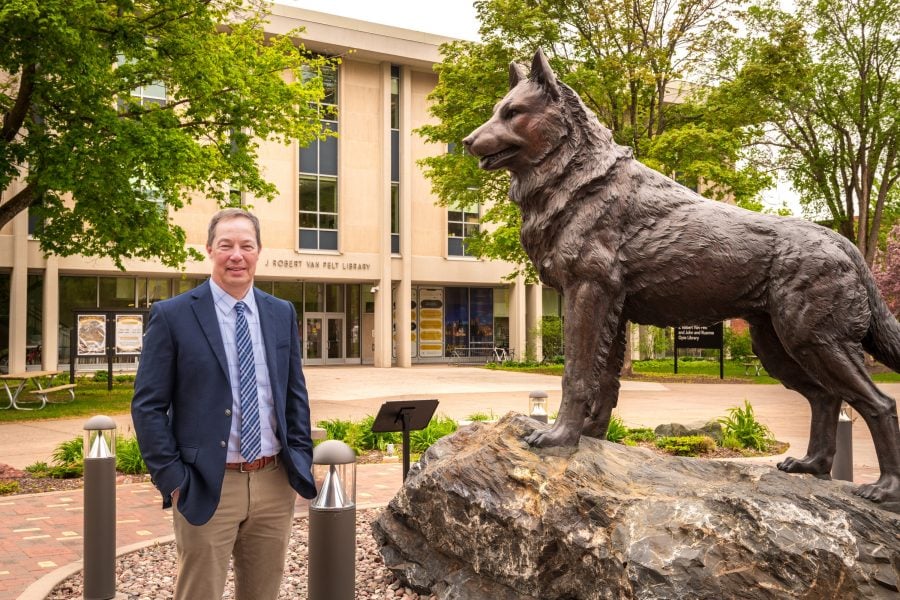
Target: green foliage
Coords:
[(68, 452), (101, 170), (438, 427), (616, 432), (741, 428), (551, 334), (737, 345), (688, 445), (9, 487), (480, 416), (360, 436), (640, 434), (335, 429), (100, 376), (38, 469), (128, 456)]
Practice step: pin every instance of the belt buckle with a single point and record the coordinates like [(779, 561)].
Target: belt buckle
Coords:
[(241, 468)]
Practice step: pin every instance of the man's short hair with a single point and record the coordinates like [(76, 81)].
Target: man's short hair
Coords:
[(226, 214)]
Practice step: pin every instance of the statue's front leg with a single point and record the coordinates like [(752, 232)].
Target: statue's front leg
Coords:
[(591, 325)]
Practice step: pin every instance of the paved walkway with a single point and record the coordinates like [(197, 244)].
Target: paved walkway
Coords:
[(40, 534)]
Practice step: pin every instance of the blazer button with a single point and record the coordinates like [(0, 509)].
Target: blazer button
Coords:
[(227, 412), (222, 444)]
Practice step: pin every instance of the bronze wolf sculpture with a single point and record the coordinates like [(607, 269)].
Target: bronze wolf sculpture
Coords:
[(622, 242)]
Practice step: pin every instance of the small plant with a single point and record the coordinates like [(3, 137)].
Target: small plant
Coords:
[(38, 469), (688, 445), (8, 487), (480, 416), (360, 436), (335, 429), (616, 431), (128, 457), (68, 452), (438, 427), (101, 376), (741, 427), (640, 434)]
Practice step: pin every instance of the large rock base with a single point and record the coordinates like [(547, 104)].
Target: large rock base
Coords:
[(485, 516)]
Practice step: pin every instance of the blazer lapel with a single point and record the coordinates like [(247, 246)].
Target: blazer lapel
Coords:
[(205, 311)]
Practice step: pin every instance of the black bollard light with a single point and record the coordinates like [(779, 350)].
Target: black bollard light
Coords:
[(842, 467), (537, 405), (332, 524), (99, 508)]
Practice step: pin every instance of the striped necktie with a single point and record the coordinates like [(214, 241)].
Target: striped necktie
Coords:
[(251, 443)]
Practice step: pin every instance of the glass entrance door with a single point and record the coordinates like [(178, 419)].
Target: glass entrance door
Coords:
[(324, 339)]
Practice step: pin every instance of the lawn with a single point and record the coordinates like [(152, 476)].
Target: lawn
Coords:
[(91, 398)]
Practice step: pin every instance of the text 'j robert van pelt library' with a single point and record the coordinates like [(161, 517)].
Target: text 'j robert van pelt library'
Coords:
[(353, 234)]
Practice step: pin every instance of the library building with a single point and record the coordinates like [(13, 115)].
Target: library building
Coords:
[(377, 271)]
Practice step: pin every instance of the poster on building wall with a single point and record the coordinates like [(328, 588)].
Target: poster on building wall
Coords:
[(129, 333), (91, 335), (431, 322)]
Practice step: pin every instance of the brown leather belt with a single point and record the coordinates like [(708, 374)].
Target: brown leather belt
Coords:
[(257, 464)]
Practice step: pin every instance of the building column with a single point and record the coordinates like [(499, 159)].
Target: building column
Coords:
[(518, 332), (383, 299), (404, 297), (50, 323), (535, 311), (18, 294)]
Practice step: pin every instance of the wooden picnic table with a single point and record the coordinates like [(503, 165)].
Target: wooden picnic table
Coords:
[(37, 379)]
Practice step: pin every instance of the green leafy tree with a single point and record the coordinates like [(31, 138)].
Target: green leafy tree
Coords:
[(823, 85), (116, 113), (627, 60), (887, 270)]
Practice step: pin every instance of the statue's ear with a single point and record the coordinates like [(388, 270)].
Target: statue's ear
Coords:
[(516, 74), (542, 74)]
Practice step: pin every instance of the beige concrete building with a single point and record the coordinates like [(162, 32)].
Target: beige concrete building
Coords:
[(353, 234)]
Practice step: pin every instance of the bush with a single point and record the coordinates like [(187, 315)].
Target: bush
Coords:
[(480, 416), (8, 487), (68, 452), (38, 469), (552, 339), (335, 429), (360, 436), (737, 345), (100, 376), (741, 427), (128, 457), (688, 445), (640, 434), (438, 427), (616, 431)]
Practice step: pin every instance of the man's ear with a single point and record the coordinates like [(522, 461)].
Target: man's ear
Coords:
[(543, 75), (516, 74)]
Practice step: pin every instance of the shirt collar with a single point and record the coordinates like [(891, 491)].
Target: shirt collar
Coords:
[(225, 301)]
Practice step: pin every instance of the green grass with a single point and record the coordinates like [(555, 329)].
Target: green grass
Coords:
[(91, 398)]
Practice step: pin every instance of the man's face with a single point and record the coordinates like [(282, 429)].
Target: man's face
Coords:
[(234, 253)]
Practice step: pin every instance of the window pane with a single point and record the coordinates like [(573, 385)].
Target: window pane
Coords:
[(309, 161), (334, 297), (327, 221), (309, 239), (329, 81), (116, 292), (471, 230), (308, 220), (308, 194), (395, 208), (313, 297), (455, 247), (395, 243), (455, 229), (471, 217), (328, 195), (328, 154), (328, 240), (454, 215), (395, 155)]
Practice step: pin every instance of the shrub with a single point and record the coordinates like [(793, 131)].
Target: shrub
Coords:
[(335, 429), (640, 434), (38, 469), (616, 431), (688, 445), (8, 487), (737, 345), (438, 427), (741, 427), (360, 436), (68, 452), (480, 416), (128, 457), (101, 376)]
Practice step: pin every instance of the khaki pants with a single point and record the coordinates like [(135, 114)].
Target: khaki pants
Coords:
[(253, 523)]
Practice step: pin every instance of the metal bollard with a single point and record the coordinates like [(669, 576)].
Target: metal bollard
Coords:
[(332, 524), (99, 508), (537, 405), (842, 468)]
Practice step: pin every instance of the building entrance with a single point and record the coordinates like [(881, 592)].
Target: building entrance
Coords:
[(323, 339)]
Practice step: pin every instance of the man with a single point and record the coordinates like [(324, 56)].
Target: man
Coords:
[(221, 414)]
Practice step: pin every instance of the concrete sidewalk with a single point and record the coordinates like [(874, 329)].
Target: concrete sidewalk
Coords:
[(40, 534)]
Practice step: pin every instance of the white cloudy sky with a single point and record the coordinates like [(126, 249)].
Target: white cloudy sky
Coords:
[(453, 18)]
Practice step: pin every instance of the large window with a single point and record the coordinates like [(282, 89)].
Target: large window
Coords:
[(462, 223), (395, 160), (318, 215)]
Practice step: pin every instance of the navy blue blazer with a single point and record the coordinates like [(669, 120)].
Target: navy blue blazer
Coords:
[(182, 399)]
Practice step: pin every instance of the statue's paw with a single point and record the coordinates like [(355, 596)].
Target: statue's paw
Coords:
[(550, 438), (885, 490), (805, 465)]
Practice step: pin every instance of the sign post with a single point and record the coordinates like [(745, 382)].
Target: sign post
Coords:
[(701, 336)]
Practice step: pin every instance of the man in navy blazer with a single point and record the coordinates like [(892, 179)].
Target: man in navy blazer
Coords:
[(187, 417)]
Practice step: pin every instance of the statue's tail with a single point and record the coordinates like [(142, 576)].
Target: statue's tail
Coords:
[(883, 338)]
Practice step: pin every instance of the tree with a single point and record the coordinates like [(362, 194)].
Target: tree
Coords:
[(626, 59), (887, 270), (114, 113), (824, 85)]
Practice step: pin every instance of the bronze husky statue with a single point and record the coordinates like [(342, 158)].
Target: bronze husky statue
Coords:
[(622, 242)]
